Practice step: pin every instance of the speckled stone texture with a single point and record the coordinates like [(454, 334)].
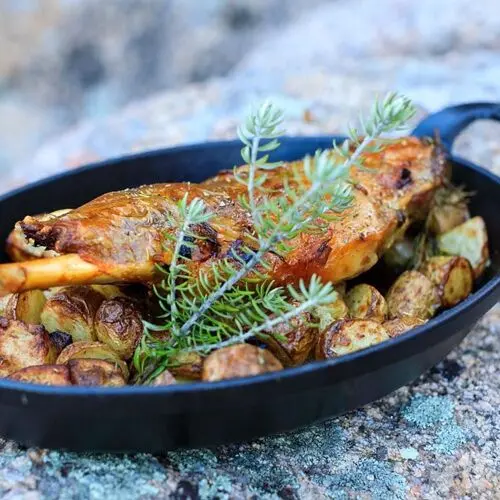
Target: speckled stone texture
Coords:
[(438, 437)]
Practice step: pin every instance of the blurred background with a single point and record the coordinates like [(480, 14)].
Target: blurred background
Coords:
[(69, 67)]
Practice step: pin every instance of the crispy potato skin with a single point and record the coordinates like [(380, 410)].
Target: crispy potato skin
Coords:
[(26, 306), (72, 310), (165, 378), (187, 365), (118, 323), (95, 372), (43, 374), (92, 350), (23, 345), (397, 326), (242, 360), (300, 336), (469, 240), (366, 302), (414, 295), (453, 277), (347, 336)]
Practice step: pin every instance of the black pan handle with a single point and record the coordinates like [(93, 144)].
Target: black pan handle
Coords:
[(449, 122)]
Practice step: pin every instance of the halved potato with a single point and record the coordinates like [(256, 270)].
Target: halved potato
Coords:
[(469, 240), (349, 335), (43, 374), (241, 360), (366, 302), (95, 372), (72, 310), (300, 335), (327, 314), (186, 365), (118, 323), (449, 210), (414, 295), (92, 350), (453, 277), (23, 345), (26, 306), (397, 326)]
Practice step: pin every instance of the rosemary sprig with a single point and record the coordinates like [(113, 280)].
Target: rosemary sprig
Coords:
[(190, 214), (218, 308)]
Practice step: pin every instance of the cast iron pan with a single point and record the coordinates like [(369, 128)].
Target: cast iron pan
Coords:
[(155, 419)]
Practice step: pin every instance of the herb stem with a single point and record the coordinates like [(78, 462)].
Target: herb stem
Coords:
[(252, 167), (215, 296), (267, 325)]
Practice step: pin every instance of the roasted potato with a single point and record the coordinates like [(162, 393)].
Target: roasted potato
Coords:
[(300, 335), (72, 310), (60, 340), (118, 323), (469, 240), (95, 372), (453, 277), (241, 360), (449, 210), (186, 365), (397, 326), (43, 374), (414, 295), (366, 302), (327, 314), (399, 255), (347, 336), (23, 345), (92, 350), (26, 306), (165, 378)]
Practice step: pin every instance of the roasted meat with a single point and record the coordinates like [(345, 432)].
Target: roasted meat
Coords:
[(119, 237)]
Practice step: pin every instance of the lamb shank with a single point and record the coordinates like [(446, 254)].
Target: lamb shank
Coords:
[(120, 236)]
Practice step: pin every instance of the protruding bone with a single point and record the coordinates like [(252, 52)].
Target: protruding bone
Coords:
[(63, 271)]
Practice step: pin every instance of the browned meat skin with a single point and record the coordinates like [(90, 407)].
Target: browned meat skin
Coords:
[(122, 233)]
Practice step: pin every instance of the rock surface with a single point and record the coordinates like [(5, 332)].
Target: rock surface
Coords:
[(436, 438), (68, 60)]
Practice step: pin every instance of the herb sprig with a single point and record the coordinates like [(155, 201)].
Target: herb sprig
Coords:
[(222, 306)]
